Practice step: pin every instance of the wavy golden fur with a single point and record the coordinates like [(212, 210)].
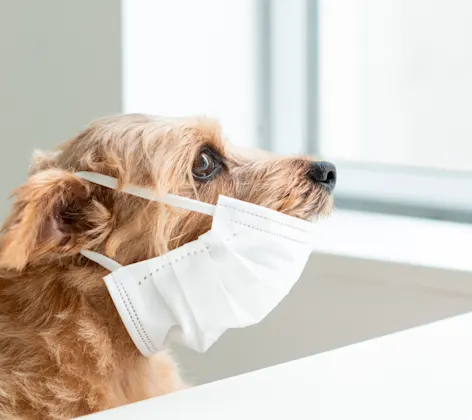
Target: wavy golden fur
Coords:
[(63, 349)]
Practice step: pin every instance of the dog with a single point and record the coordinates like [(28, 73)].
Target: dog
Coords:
[(64, 351)]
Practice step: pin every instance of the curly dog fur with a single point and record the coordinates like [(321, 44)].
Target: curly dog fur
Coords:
[(63, 349)]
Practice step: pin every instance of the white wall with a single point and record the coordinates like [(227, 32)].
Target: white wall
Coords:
[(60, 67)]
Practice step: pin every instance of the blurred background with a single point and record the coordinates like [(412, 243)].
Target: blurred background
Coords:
[(382, 88)]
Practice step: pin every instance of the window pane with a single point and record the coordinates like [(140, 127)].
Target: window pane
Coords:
[(189, 57), (396, 81)]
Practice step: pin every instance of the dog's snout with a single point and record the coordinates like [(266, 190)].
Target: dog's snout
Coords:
[(323, 173)]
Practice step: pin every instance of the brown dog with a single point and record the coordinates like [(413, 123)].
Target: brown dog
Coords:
[(63, 349)]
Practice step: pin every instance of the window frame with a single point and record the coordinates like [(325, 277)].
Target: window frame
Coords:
[(288, 123)]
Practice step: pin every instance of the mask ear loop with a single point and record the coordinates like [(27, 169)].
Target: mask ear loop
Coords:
[(169, 199), (146, 193), (105, 262)]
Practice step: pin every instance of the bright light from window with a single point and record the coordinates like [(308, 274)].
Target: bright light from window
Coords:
[(396, 81), (187, 57)]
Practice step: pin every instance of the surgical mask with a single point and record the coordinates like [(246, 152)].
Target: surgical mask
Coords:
[(232, 276)]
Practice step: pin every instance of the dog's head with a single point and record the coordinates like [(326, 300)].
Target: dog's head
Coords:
[(56, 214)]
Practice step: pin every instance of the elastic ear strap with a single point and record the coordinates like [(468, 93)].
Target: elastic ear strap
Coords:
[(169, 199), (105, 262)]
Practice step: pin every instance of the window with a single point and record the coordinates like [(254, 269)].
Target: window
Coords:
[(382, 88), (192, 57), (395, 95)]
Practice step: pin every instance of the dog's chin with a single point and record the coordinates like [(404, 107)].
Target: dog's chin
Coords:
[(317, 204), (319, 215), (319, 207)]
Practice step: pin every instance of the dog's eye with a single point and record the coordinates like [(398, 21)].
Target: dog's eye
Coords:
[(205, 166)]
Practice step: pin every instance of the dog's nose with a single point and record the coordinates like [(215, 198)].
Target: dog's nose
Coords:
[(323, 173)]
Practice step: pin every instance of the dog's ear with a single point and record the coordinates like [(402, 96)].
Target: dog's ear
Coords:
[(54, 213)]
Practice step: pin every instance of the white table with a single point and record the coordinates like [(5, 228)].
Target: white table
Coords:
[(422, 373)]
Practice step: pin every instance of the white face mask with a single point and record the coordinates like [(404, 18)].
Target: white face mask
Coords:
[(230, 277)]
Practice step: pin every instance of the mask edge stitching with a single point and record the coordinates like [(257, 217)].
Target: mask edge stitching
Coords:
[(269, 232), (208, 248), (266, 218), (142, 331), (189, 254)]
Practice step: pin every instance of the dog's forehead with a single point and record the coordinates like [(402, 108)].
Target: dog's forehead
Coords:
[(243, 155)]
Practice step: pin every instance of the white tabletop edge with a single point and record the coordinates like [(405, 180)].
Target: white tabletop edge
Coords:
[(424, 372)]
